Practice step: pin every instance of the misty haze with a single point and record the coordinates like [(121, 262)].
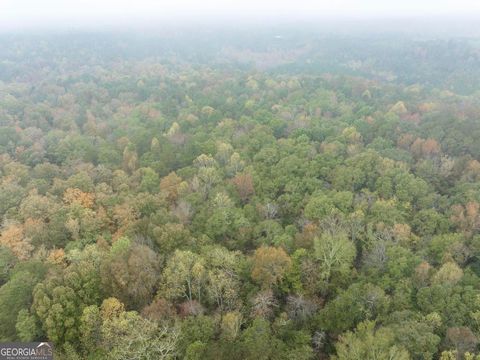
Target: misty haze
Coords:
[(273, 180)]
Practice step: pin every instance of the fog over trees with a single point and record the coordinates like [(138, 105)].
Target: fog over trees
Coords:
[(275, 191)]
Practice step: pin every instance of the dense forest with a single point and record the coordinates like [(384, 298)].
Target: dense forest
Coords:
[(240, 195)]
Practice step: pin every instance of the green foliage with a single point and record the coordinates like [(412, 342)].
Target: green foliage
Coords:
[(197, 330), (196, 351), (454, 304), (27, 326), (319, 207), (90, 324), (16, 295), (257, 342), (167, 200), (150, 181), (184, 276), (368, 343), (7, 262), (416, 334), (130, 273), (335, 254), (358, 303)]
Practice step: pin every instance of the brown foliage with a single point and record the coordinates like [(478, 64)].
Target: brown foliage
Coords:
[(430, 147), (77, 196), (467, 217), (405, 141), (402, 232), (57, 257), (169, 186), (462, 339), (190, 308), (422, 273), (305, 238), (130, 159), (13, 238), (159, 310), (425, 148), (124, 215), (269, 265), (244, 185), (472, 171), (111, 308)]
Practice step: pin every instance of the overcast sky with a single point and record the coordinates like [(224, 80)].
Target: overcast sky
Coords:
[(23, 14)]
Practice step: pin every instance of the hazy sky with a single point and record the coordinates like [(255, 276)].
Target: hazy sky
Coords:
[(21, 14)]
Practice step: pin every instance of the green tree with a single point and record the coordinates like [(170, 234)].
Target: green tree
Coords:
[(335, 254), (130, 272), (7, 262), (28, 327), (358, 303), (184, 276), (16, 295), (59, 300), (369, 344), (257, 342)]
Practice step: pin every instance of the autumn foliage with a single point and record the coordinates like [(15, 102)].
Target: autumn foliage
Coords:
[(269, 265)]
